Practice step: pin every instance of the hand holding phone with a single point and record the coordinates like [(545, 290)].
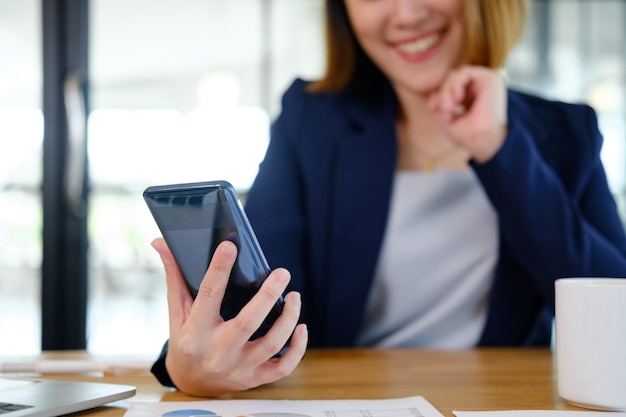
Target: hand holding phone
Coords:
[(194, 218), (208, 356)]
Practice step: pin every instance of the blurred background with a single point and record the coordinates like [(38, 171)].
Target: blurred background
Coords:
[(185, 90)]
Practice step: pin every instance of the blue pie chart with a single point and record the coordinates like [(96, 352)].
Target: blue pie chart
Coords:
[(189, 412)]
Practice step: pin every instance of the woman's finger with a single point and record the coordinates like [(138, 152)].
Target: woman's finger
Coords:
[(179, 301), (206, 308), (455, 92), (252, 315), (275, 339), (276, 369)]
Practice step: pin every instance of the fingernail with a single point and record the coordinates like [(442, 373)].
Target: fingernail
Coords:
[(283, 275), (296, 298), (227, 248), (303, 329)]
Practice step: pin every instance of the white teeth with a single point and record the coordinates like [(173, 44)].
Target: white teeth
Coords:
[(419, 45)]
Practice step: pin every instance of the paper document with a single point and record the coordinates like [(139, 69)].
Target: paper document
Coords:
[(400, 407), (537, 413)]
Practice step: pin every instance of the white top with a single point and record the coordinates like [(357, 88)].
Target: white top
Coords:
[(435, 271)]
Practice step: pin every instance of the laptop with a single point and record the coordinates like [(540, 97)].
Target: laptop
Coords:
[(20, 397)]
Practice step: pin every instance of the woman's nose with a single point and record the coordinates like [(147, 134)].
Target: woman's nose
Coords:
[(408, 11)]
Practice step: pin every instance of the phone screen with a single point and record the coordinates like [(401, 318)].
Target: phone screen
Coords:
[(194, 219)]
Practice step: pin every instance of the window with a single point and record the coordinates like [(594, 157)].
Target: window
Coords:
[(21, 135), (180, 92), (576, 51)]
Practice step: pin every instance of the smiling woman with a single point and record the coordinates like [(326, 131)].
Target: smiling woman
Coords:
[(181, 90), (421, 201), (387, 32)]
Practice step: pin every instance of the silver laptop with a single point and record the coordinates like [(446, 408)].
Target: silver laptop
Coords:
[(21, 397)]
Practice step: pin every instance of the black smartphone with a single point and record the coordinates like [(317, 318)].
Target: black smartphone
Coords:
[(196, 217)]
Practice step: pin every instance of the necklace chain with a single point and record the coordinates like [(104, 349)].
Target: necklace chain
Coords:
[(431, 161)]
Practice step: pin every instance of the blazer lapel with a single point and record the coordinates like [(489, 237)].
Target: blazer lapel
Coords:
[(364, 175)]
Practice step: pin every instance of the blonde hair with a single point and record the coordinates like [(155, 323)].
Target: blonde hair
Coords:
[(492, 27)]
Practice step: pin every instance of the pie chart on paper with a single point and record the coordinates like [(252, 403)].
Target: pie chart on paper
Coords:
[(189, 412)]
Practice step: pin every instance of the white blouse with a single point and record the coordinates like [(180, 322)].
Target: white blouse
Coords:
[(435, 271)]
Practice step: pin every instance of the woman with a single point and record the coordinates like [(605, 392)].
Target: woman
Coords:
[(413, 198)]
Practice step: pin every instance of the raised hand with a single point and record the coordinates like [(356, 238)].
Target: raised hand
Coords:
[(471, 105), (208, 356)]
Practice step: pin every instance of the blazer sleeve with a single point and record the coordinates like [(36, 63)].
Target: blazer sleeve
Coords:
[(160, 371), (555, 209)]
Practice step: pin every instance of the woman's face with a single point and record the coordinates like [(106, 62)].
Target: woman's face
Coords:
[(414, 42)]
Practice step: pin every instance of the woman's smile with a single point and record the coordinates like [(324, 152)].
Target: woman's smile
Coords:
[(415, 43), (419, 48)]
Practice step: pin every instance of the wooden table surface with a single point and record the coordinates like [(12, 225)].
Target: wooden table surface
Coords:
[(477, 379)]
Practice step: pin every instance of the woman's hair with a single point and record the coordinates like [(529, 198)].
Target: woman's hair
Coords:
[(492, 28)]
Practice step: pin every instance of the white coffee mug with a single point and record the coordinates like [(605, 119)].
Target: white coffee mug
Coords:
[(591, 342)]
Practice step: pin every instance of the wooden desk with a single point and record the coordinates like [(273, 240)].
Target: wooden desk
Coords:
[(479, 379)]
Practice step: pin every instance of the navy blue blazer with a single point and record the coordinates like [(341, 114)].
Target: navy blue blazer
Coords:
[(320, 202)]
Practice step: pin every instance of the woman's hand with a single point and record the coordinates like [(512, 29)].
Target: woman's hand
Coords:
[(471, 104), (208, 356)]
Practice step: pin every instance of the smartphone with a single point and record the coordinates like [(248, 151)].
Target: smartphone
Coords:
[(196, 217)]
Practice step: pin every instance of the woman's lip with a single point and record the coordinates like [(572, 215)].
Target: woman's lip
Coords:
[(418, 45), (419, 48)]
